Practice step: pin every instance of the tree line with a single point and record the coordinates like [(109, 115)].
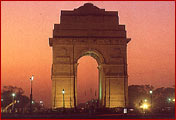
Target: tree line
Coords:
[(13, 93), (160, 97)]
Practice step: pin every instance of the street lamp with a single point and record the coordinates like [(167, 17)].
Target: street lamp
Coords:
[(41, 103), (144, 107), (13, 95), (63, 92), (151, 96), (31, 79)]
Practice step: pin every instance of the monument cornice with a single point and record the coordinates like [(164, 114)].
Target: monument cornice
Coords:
[(70, 40)]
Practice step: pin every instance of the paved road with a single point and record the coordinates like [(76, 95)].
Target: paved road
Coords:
[(86, 116)]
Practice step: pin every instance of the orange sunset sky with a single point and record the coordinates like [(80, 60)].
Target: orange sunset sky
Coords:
[(25, 51)]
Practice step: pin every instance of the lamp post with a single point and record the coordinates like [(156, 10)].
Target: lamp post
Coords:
[(13, 95), (41, 103), (63, 92), (151, 97), (31, 79)]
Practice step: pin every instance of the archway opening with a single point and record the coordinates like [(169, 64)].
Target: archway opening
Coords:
[(87, 81)]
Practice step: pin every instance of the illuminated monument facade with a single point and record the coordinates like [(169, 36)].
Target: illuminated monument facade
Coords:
[(95, 32)]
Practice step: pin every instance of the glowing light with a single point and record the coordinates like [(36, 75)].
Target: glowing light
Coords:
[(145, 100), (151, 91), (173, 100), (125, 110), (13, 94), (32, 78), (63, 91), (100, 85), (144, 106)]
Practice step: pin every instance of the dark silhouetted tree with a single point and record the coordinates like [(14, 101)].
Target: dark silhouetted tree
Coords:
[(6, 96)]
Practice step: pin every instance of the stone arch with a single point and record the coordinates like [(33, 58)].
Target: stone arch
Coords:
[(93, 53), (80, 34), (82, 81), (100, 60)]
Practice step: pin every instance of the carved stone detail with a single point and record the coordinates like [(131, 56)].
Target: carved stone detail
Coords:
[(98, 41), (115, 53), (63, 59)]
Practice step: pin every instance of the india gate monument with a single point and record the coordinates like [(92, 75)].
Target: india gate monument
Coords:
[(89, 31)]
